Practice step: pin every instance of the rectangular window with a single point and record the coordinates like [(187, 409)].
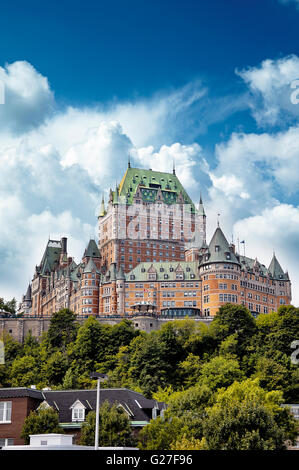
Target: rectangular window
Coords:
[(78, 414), (6, 442), (5, 411)]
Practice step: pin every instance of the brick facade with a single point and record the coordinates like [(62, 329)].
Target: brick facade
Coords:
[(149, 231)]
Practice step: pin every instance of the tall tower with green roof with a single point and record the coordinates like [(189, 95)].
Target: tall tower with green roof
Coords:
[(149, 217)]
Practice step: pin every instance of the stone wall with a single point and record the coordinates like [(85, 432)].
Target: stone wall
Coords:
[(19, 328)]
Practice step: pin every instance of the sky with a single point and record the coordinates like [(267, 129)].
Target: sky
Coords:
[(213, 86)]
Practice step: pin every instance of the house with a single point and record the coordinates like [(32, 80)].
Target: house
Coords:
[(72, 406)]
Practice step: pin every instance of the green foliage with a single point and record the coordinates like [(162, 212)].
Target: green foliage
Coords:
[(24, 372), (70, 380), (43, 421), (250, 391), (220, 372), (236, 363), (8, 306), (189, 443), (63, 329), (234, 320), (55, 368), (114, 427), (242, 426), (189, 370), (149, 365), (160, 433)]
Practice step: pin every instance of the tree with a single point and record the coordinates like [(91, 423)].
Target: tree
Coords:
[(149, 365), (44, 421), (250, 391), (63, 329), (234, 320), (91, 345), (190, 370), (272, 375), (70, 380), (189, 443), (220, 372), (114, 427), (31, 345), (9, 307), (276, 331), (55, 368), (242, 426), (24, 372), (160, 433)]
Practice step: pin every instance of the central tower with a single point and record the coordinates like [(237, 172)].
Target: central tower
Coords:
[(149, 217)]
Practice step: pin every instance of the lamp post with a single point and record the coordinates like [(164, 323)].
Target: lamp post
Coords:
[(99, 377)]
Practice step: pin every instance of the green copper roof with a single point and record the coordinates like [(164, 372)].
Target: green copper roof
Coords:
[(51, 255), (219, 250), (102, 208), (163, 269), (201, 210), (92, 250), (90, 267), (150, 182), (275, 269)]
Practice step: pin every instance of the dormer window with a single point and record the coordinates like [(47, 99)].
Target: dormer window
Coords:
[(227, 256), (78, 411), (217, 248)]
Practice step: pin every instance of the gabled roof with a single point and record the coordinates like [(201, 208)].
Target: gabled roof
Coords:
[(139, 406), (219, 250)]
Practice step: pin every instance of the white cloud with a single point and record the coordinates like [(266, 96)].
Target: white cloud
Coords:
[(274, 229), (185, 157), (28, 98), (270, 84), (54, 167), (100, 153)]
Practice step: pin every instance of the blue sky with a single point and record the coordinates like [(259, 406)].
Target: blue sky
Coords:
[(207, 84)]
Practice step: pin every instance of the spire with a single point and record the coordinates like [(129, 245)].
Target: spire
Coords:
[(275, 269), (201, 210), (115, 195), (120, 274), (102, 208), (28, 294), (219, 249), (92, 250)]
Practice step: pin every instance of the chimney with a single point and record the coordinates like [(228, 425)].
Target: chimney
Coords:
[(64, 245)]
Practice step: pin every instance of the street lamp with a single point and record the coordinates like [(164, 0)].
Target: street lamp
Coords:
[(99, 377)]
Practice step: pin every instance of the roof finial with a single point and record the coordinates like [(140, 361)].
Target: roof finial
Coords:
[(173, 166), (218, 215), (129, 161)]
